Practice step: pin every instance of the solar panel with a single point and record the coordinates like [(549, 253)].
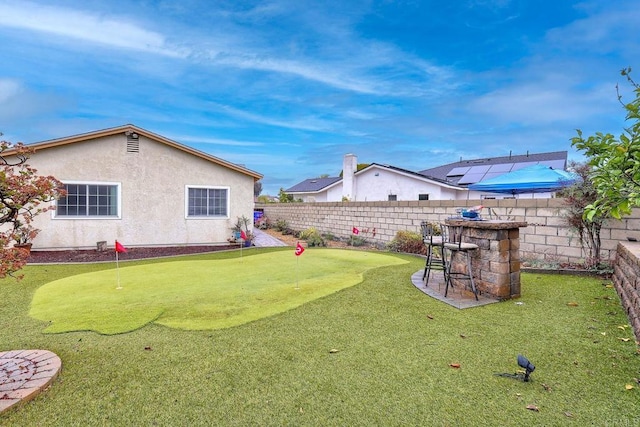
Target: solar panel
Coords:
[(517, 166), (490, 175), (461, 170), (556, 164), (501, 167), (471, 178), (479, 169)]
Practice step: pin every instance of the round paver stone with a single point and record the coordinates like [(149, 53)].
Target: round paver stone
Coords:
[(24, 374)]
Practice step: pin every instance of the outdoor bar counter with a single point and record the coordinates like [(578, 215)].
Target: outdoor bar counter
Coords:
[(496, 264)]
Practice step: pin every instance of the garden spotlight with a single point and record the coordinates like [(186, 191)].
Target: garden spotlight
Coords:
[(528, 367)]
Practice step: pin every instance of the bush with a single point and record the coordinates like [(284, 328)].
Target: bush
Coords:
[(329, 236), (288, 231), (309, 232), (281, 225), (263, 223), (407, 242), (313, 237), (356, 241)]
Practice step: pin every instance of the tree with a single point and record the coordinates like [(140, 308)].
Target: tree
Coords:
[(257, 188), (284, 197), (359, 167), (576, 198), (22, 193), (263, 198), (615, 162)]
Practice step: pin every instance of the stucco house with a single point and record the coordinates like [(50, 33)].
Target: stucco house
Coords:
[(380, 182), (140, 188)]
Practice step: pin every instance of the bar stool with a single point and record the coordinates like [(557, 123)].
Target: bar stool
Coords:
[(432, 241), (452, 238)]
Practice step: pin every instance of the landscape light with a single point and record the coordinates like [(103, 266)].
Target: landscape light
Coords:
[(528, 367)]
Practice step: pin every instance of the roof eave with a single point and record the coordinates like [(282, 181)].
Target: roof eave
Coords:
[(131, 128)]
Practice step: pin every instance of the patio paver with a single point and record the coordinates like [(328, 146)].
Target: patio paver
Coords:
[(455, 297), (24, 374)]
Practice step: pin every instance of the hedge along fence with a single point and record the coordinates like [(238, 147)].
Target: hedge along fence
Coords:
[(546, 238)]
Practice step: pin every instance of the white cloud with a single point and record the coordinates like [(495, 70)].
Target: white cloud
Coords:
[(8, 90), (316, 72), (613, 29), (215, 141), (309, 123), (117, 32)]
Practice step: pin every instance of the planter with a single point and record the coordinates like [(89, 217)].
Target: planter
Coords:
[(23, 247)]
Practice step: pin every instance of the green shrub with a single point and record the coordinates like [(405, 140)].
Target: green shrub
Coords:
[(316, 240), (281, 225), (287, 231), (313, 237), (407, 242), (329, 236), (309, 232), (356, 241)]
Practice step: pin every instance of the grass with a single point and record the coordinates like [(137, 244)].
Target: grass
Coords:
[(198, 294), (394, 347)]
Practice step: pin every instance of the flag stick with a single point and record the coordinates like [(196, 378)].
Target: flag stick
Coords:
[(118, 271), (297, 268)]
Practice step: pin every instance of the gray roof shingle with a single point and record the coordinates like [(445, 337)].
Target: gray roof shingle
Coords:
[(312, 185), (454, 172)]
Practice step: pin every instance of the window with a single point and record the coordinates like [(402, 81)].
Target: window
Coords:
[(423, 197), (89, 200), (207, 202), (393, 197)]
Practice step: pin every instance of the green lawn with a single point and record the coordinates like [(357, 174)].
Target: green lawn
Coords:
[(392, 364), (198, 294)]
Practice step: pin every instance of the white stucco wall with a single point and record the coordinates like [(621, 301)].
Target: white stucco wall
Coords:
[(334, 193), (153, 181), (377, 183)]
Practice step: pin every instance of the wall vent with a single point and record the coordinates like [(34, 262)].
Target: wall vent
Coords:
[(133, 142)]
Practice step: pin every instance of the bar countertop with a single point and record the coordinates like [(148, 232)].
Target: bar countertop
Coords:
[(491, 224)]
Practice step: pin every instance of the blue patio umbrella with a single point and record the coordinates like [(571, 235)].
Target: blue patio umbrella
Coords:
[(532, 179)]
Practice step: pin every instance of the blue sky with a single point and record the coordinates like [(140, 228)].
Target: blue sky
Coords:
[(288, 87)]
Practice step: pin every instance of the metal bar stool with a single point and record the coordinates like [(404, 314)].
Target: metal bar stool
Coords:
[(452, 238), (434, 243)]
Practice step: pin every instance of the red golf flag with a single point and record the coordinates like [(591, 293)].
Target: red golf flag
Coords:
[(299, 249), (355, 231), (243, 235), (120, 248)]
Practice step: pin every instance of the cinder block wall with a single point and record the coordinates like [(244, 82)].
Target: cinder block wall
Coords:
[(626, 279), (545, 238)]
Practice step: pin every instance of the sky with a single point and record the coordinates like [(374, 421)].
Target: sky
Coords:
[(288, 87)]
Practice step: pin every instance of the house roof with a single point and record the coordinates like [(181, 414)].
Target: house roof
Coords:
[(411, 173), (466, 172), (313, 185), (131, 128)]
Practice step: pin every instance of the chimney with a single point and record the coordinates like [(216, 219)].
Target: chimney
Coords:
[(349, 167)]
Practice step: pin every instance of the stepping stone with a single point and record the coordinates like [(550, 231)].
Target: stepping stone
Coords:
[(24, 374)]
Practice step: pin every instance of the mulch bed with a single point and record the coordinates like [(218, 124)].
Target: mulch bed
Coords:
[(44, 257)]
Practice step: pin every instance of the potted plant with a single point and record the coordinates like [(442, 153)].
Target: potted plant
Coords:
[(241, 228), (23, 234)]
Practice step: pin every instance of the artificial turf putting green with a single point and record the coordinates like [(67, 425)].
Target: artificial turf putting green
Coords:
[(199, 295)]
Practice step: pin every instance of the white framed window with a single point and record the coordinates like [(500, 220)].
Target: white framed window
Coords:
[(206, 202), (95, 200)]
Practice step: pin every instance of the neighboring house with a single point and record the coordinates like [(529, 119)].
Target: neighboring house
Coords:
[(379, 182), (143, 189), (375, 182), (467, 172)]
